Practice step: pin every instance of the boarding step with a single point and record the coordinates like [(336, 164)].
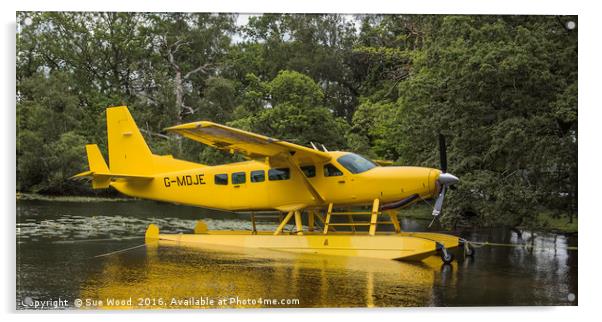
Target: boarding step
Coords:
[(372, 224)]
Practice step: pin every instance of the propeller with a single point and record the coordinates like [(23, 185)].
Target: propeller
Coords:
[(445, 179), (442, 153)]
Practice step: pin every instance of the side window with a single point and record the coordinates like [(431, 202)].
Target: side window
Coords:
[(221, 179), (309, 170), (258, 176), (239, 177), (331, 171), (279, 174)]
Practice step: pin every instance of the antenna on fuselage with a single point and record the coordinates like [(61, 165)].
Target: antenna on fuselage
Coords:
[(313, 145), (323, 147)]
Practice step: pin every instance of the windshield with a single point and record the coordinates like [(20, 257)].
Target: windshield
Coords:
[(356, 163)]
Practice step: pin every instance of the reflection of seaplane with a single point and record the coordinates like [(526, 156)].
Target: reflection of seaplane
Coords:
[(180, 275), (304, 184)]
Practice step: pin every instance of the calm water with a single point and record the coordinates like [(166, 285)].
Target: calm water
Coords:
[(59, 243)]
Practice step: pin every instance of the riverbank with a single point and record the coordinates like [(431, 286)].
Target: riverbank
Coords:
[(545, 222), (35, 196)]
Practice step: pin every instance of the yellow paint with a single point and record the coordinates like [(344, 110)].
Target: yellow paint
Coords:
[(200, 227), (383, 246), (152, 233), (283, 275), (135, 171), (374, 217), (448, 241)]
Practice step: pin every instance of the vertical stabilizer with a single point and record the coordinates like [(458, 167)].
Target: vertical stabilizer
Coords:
[(128, 152)]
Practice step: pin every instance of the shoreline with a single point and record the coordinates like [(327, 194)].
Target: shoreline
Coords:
[(34, 196), (546, 223)]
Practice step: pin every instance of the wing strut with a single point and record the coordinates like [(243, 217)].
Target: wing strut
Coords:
[(308, 184)]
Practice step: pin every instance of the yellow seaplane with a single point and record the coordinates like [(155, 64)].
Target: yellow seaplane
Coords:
[(336, 199)]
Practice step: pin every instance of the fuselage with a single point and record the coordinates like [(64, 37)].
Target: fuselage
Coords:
[(254, 185)]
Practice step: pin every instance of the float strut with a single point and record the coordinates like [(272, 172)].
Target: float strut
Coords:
[(374, 217), (298, 222), (283, 223)]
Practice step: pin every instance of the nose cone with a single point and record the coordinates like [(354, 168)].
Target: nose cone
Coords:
[(448, 179)]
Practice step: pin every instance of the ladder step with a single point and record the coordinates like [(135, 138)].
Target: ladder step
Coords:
[(350, 224), (352, 213)]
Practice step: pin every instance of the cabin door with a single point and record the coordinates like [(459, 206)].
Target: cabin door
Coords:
[(240, 192), (336, 184)]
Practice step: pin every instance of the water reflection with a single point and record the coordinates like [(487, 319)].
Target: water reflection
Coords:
[(169, 271), (57, 243)]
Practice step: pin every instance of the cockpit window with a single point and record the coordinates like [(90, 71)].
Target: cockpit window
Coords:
[(331, 171), (356, 163)]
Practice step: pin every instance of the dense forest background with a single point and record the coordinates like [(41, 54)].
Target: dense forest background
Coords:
[(502, 89)]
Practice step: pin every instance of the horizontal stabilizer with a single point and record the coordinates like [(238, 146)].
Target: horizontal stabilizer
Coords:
[(91, 175), (103, 180), (99, 172)]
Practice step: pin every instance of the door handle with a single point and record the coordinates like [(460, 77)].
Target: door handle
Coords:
[(341, 181), (237, 186)]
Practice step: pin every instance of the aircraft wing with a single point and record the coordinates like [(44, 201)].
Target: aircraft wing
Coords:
[(252, 145)]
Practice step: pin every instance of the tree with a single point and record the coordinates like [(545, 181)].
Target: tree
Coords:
[(316, 45), (503, 89), (493, 85), (292, 112)]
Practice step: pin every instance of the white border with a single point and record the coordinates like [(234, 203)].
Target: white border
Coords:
[(589, 147), (314, 6)]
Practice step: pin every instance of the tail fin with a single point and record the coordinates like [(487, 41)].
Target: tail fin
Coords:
[(96, 162), (99, 172), (130, 159), (98, 168), (128, 152), (97, 165)]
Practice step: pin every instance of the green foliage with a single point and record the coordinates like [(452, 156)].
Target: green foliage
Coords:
[(369, 133), (493, 86), (503, 89), (295, 88), (292, 112)]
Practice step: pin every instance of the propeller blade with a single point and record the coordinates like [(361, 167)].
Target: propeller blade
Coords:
[(442, 153), (439, 202), (435, 219)]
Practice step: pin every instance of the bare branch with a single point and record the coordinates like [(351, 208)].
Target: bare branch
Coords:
[(204, 68), (155, 134), (177, 45), (172, 49), (187, 110)]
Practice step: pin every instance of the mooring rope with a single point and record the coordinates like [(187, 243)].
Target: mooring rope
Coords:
[(476, 244), (119, 251)]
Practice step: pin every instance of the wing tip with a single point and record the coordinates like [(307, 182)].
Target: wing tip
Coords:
[(188, 126), (82, 175)]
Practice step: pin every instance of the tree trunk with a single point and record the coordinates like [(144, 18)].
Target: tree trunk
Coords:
[(179, 91)]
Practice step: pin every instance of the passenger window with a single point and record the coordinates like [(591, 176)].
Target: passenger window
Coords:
[(309, 170), (331, 171), (258, 176), (221, 179), (279, 174), (239, 177)]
